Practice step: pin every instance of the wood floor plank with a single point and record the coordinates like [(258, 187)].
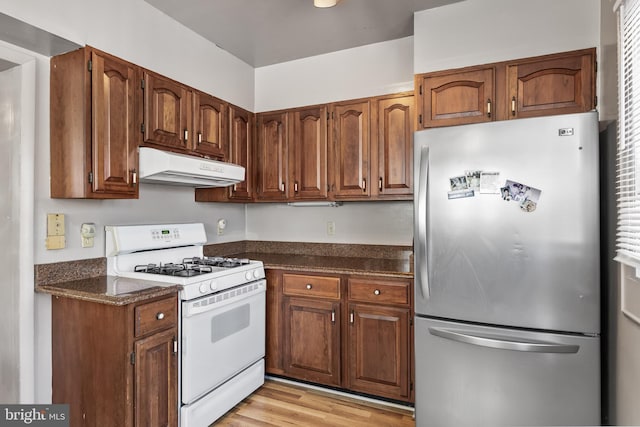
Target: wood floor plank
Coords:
[(281, 404)]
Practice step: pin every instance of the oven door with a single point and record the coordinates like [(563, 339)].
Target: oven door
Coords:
[(222, 334)]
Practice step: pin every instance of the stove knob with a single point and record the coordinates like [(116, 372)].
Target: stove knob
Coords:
[(204, 288), (256, 274), (213, 286)]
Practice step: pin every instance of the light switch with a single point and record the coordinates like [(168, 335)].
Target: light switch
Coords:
[(55, 224), (55, 231)]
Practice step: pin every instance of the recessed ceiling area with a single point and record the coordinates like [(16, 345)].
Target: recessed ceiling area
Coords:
[(266, 32)]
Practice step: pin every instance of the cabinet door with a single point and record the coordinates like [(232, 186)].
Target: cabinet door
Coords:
[(555, 84), (156, 380), (167, 113), (393, 154), (240, 151), (272, 160), (351, 150), (115, 118), (274, 335), (379, 350), (308, 150), (456, 97), (312, 340), (211, 136)]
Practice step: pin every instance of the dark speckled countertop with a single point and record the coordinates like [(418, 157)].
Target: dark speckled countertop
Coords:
[(382, 260), (87, 280), (333, 264)]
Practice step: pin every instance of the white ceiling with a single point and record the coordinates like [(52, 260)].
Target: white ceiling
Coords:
[(265, 32)]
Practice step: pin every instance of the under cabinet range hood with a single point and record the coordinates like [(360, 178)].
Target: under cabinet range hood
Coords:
[(163, 167)]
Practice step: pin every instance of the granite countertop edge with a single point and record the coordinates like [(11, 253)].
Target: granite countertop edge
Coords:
[(93, 289)]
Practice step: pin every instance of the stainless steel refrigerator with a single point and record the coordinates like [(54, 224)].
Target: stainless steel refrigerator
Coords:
[(507, 273)]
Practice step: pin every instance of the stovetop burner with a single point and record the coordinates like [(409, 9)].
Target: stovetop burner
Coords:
[(191, 266), (216, 261)]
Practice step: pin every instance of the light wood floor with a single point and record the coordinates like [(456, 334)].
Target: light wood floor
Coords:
[(282, 404)]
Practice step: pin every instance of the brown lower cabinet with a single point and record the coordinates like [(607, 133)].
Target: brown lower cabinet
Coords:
[(346, 331), (116, 365)]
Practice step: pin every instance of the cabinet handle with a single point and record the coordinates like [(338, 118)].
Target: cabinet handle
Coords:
[(513, 105), (351, 317), (376, 292), (160, 316), (186, 135), (309, 286), (295, 187), (364, 185), (134, 177), (333, 316), (282, 187), (199, 138), (380, 184), (488, 107)]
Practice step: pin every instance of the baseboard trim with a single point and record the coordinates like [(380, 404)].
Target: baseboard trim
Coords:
[(354, 396)]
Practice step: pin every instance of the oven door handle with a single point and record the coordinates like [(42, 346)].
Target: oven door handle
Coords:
[(221, 299)]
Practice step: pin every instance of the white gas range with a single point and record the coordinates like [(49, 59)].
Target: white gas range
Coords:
[(222, 321)]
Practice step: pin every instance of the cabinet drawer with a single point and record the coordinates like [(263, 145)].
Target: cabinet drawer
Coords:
[(380, 291), (316, 286), (155, 316)]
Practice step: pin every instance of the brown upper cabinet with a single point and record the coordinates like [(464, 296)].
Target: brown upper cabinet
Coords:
[(178, 118), (545, 85), (393, 124), (94, 126), (167, 113), (308, 153), (456, 97), (291, 154), (351, 149), (272, 155), (240, 150), (553, 84), (210, 126)]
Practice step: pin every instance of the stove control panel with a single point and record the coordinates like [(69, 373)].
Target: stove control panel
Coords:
[(166, 234), (125, 239)]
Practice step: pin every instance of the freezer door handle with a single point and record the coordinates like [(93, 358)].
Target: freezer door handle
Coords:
[(421, 256), (504, 342)]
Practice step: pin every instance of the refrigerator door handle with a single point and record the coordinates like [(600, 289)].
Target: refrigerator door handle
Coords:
[(504, 342), (421, 256)]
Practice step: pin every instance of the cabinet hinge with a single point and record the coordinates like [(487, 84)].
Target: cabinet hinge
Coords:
[(90, 177), (595, 65), (411, 386), (175, 345), (133, 358), (420, 118), (595, 101), (327, 115), (420, 89), (411, 321), (142, 84), (89, 65), (142, 127)]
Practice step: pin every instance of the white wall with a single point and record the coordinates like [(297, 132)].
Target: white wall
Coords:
[(10, 190), (137, 32), (474, 32), (376, 69), (389, 223)]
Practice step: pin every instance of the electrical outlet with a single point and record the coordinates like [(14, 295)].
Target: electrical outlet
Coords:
[(331, 228)]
